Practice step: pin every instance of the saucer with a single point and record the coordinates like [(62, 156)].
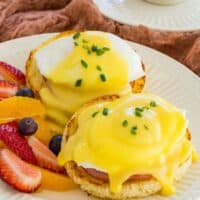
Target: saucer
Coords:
[(184, 16)]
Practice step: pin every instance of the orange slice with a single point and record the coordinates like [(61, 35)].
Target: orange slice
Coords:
[(43, 133), (56, 182), (19, 107)]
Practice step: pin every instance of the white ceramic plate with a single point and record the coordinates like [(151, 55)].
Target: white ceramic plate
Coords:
[(180, 17), (165, 77)]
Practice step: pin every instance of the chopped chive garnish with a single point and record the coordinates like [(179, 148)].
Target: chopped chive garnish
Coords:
[(100, 52), (99, 68), (84, 41), (78, 83), (106, 48), (95, 113), (105, 111), (75, 43), (76, 35), (89, 51), (153, 104), (125, 123), (94, 48), (139, 109), (134, 130), (138, 113), (103, 77), (146, 127), (84, 64)]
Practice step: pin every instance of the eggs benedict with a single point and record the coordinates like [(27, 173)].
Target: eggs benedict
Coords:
[(132, 146), (74, 67)]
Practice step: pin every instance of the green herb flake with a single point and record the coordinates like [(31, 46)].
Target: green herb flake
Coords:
[(84, 64), (105, 111), (139, 109), (153, 104), (98, 68), (75, 44), (95, 114), (76, 35), (103, 77), (99, 52), (106, 49), (89, 51), (146, 127), (125, 123), (78, 83), (94, 48), (134, 130), (138, 113)]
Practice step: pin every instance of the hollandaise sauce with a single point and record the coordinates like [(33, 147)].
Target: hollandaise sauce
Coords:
[(136, 134)]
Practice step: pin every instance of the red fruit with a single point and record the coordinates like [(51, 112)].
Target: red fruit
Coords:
[(9, 72), (10, 135), (8, 88), (44, 156), (17, 173)]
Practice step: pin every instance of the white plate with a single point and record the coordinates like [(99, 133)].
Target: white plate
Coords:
[(180, 17), (165, 77)]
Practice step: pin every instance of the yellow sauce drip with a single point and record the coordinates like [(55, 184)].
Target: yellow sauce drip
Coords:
[(157, 147)]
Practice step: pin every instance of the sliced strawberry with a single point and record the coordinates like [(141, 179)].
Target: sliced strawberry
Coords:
[(8, 88), (10, 135), (17, 173), (44, 156), (9, 72)]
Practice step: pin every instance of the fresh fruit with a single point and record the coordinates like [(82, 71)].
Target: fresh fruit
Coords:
[(55, 144), (17, 173), (8, 88), (11, 73), (45, 158), (43, 133), (27, 126), (19, 107), (10, 135), (25, 92), (56, 182)]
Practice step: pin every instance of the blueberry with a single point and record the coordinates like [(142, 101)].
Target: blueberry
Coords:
[(55, 144), (25, 92), (27, 126)]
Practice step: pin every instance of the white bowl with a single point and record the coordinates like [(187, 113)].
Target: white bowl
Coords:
[(165, 2)]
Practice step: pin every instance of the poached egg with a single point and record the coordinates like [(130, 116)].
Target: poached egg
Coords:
[(151, 139), (78, 67)]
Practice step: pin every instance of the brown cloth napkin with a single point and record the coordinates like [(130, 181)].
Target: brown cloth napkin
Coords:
[(26, 17)]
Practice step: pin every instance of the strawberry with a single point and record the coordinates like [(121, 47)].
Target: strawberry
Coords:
[(8, 88), (10, 135), (44, 156), (9, 72), (17, 173)]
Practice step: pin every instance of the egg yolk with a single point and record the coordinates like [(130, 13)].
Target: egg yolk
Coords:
[(136, 134)]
